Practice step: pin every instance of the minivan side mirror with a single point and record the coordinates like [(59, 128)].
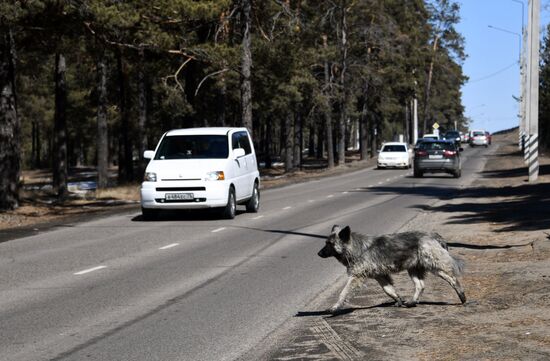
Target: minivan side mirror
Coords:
[(238, 152), (149, 154)]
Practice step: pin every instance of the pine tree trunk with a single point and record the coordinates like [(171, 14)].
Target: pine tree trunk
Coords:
[(60, 174), (327, 112), (320, 142), (10, 157), (364, 127), (142, 118), (246, 66), (428, 86), (297, 157), (102, 135), (344, 91), (311, 140), (125, 163), (288, 138)]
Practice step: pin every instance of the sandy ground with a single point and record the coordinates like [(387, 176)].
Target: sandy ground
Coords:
[(498, 226)]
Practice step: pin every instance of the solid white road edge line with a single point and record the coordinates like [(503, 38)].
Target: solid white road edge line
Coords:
[(89, 270)]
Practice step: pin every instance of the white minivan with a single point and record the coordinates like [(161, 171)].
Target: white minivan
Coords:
[(201, 168)]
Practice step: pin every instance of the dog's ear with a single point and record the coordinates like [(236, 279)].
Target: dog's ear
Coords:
[(345, 234), (335, 229)]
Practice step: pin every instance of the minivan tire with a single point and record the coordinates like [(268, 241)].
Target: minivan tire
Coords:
[(230, 209), (417, 173), (253, 204), (457, 173)]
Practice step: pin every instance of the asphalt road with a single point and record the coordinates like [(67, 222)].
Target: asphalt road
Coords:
[(190, 287)]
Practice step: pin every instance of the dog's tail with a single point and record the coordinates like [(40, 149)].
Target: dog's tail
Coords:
[(458, 263), (440, 239)]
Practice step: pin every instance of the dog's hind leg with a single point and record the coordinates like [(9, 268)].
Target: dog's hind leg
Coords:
[(387, 285), (353, 284), (453, 281), (417, 276)]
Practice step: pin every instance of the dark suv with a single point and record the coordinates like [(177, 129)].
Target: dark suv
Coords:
[(437, 156), (453, 135)]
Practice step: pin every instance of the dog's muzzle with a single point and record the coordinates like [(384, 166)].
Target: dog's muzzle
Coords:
[(324, 253)]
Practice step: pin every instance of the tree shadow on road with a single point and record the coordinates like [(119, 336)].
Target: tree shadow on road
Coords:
[(513, 208)]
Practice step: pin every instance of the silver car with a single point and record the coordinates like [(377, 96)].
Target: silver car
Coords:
[(478, 137)]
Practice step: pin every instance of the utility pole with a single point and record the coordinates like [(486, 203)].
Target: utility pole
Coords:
[(522, 72), (532, 106)]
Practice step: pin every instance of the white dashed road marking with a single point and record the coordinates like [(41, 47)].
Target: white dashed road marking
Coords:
[(287, 207), (170, 246), (89, 270), (218, 230), (258, 217)]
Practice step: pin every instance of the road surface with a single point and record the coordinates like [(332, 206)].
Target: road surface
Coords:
[(190, 287)]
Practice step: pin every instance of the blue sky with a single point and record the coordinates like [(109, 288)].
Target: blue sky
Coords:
[(492, 63)]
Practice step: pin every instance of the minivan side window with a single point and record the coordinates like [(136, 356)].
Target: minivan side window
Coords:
[(240, 140)]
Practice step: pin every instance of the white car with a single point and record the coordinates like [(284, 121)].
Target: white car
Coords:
[(478, 137), (431, 136), (394, 154), (201, 168)]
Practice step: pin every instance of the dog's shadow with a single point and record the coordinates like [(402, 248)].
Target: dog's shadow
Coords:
[(346, 311)]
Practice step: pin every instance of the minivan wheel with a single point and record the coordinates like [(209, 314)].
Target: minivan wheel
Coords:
[(457, 173), (253, 204), (149, 214), (230, 209), (417, 174)]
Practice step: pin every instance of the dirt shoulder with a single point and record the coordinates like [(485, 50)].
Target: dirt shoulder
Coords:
[(498, 226)]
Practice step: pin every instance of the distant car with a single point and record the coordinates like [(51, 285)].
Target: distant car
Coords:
[(478, 137), (466, 137), (489, 137), (432, 156), (462, 137), (453, 135), (431, 136), (394, 154)]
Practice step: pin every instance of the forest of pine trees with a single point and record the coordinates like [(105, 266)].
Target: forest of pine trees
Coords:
[(95, 83)]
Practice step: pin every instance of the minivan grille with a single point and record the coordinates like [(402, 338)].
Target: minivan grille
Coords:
[(180, 189), (180, 179)]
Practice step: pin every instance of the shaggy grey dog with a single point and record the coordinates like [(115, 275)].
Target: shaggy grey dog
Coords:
[(378, 257)]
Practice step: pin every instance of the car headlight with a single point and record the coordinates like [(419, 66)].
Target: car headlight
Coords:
[(214, 176), (150, 177)]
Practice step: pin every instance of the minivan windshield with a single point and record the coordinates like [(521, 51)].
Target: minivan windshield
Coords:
[(193, 147)]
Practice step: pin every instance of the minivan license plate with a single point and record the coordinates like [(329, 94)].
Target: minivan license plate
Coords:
[(179, 196), (436, 156)]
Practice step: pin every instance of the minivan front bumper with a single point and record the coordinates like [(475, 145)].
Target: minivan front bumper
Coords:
[(205, 194)]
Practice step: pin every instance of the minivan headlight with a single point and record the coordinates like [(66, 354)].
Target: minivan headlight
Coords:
[(150, 177), (213, 176)]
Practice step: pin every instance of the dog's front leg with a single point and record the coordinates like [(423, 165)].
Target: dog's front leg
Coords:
[(353, 284)]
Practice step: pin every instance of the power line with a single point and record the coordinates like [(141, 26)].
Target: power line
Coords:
[(493, 74)]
